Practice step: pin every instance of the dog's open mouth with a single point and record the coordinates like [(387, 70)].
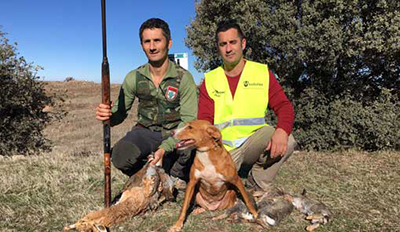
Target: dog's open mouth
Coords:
[(184, 143)]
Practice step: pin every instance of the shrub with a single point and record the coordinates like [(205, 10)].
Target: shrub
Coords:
[(342, 122), (68, 79), (330, 45), (22, 99)]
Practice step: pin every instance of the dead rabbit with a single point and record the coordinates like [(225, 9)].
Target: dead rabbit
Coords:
[(316, 212)]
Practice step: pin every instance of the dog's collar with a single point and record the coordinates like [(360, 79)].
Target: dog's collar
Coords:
[(206, 150)]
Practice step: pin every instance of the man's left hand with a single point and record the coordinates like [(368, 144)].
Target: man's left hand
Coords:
[(158, 157), (278, 143)]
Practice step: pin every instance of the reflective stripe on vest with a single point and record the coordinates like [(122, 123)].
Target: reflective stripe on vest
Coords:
[(238, 118), (241, 122)]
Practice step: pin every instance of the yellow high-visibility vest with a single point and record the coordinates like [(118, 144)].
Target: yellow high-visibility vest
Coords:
[(238, 118)]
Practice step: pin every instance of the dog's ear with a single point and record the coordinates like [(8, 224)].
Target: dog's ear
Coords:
[(214, 133)]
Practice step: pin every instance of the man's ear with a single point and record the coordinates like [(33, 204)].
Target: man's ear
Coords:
[(244, 43), (169, 44), (214, 133)]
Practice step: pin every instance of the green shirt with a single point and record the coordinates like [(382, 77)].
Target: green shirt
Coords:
[(187, 92)]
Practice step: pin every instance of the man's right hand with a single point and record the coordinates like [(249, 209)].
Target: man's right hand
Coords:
[(103, 112)]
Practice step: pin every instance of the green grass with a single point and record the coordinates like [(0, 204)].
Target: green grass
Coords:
[(47, 192), (51, 190)]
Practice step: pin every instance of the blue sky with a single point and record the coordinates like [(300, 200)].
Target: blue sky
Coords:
[(64, 36)]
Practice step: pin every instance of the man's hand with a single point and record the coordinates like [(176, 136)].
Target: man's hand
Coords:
[(158, 157), (103, 112), (278, 143)]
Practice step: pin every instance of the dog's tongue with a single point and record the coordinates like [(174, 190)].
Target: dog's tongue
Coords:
[(183, 143)]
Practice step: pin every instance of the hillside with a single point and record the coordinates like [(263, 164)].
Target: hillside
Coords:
[(80, 131)]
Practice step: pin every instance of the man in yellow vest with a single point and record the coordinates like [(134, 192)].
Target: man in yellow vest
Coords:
[(235, 98)]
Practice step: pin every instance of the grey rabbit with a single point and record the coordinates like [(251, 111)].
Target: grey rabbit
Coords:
[(316, 212)]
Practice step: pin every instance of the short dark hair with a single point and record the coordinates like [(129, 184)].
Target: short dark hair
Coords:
[(226, 25), (155, 23)]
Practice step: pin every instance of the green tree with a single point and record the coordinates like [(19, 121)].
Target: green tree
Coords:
[(22, 99), (330, 45)]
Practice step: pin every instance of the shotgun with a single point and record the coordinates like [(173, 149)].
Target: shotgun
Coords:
[(105, 92)]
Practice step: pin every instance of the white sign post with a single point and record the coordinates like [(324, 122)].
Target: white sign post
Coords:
[(181, 59)]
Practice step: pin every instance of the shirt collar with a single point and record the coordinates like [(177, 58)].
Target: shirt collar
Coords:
[(171, 71)]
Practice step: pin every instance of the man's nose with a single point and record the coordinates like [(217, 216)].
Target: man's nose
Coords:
[(228, 48), (152, 46)]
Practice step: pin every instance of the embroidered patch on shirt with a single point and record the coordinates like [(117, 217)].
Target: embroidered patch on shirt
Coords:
[(171, 93)]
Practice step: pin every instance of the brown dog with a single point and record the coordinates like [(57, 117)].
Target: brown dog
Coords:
[(213, 170)]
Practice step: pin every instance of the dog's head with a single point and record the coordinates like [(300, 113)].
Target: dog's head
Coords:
[(198, 133)]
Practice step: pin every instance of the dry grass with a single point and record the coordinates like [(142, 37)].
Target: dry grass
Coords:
[(48, 191)]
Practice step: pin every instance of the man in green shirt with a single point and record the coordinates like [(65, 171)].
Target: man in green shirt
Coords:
[(167, 100)]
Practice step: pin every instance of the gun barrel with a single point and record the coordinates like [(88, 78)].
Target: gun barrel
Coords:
[(105, 92)]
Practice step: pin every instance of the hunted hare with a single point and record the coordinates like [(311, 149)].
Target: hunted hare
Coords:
[(316, 212), (145, 190), (272, 209)]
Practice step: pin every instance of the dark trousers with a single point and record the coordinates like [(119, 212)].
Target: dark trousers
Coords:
[(130, 153)]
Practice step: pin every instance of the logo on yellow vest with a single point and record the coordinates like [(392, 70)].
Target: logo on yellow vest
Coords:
[(218, 93), (254, 84)]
